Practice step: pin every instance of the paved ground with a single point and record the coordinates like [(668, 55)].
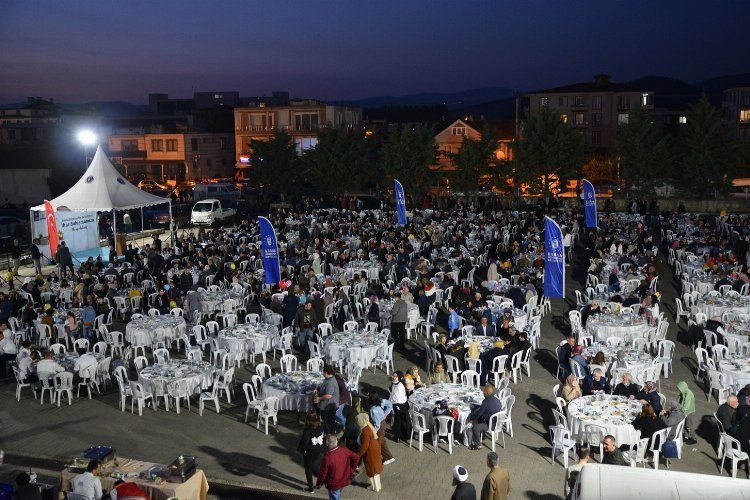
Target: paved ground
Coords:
[(232, 452)]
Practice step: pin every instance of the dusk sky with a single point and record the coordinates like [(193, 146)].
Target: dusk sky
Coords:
[(78, 51)]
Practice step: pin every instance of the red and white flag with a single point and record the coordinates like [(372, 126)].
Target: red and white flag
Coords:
[(51, 227)]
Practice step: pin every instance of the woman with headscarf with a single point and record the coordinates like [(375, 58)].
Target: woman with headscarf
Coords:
[(571, 390), (672, 415), (369, 451), (648, 395)]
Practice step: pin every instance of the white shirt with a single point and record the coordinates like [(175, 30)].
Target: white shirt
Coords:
[(567, 240), (84, 362), (22, 353), (49, 366), (26, 367), (7, 346), (398, 393), (88, 485)]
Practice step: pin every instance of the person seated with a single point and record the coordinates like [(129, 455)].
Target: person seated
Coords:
[(25, 490), (590, 310), (48, 367), (626, 388), (648, 395), (88, 485), (599, 359), (565, 353), (648, 422), (84, 361), (727, 415), (485, 327), (612, 454), (672, 415), (577, 356), (571, 390), (439, 376), (480, 416), (595, 382), (442, 344)]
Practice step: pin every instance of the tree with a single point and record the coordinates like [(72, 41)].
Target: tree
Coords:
[(275, 163), (643, 152), (474, 161), (707, 158), (548, 153), (406, 155), (342, 161)]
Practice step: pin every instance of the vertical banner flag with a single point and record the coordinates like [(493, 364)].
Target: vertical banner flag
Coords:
[(51, 227), (269, 251), (589, 204), (554, 260), (400, 203)]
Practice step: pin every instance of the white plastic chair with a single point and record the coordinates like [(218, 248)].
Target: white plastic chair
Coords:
[(657, 441), (470, 378), (637, 453), (498, 368), (418, 425), (665, 351), (121, 376), (140, 363), (495, 427), (141, 395), (210, 395), (263, 371), (269, 411), (452, 367), (384, 358), (179, 390), (252, 401), (443, 427), (63, 385), (561, 443), (161, 356), (733, 451), (315, 364), (350, 326)]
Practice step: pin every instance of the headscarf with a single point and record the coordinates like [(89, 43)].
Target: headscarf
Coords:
[(363, 420)]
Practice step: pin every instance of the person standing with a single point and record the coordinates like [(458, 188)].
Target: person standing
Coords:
[(369, 451), (15, 256), (687, 405), (127, 223), (311, 447), (338, 466), (36, 256), (464, 490), (401, 422), (64, 259), (399, 315), (304, 321), (497, 483), (326, 399), (379, 411)]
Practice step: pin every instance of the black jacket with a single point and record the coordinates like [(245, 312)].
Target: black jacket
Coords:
[(464, 491)]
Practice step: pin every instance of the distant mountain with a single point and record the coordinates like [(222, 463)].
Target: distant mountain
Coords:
[(721, 83), (451, 100), (501, 109), (108, 109)]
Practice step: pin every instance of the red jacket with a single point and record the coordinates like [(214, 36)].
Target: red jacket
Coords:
[(337, 468)]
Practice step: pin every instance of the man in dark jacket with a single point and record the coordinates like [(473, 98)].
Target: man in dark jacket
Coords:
[(64, 259), (399, 316), (464, 490), (480, 417), (305, 322), (36, 256)]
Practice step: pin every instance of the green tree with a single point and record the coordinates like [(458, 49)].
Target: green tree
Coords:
[(475, 161), (547, 153), (643, 152), (342, 161), (406, 155), (275, 163), (707, 158)]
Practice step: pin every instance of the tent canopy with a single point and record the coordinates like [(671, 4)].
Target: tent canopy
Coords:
[(103, 189)]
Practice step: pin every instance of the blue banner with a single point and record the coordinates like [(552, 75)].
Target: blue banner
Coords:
[(589, 204), (269, 251), (400, 203), (554, 260)]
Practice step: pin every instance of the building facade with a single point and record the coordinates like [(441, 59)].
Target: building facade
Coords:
[(300, 118), (595, 108), (450, 138), (736, 107), (172, 156)]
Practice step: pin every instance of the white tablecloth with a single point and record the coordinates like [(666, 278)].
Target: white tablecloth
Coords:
[(198, 375), (365, 346), (294, 389), (147, 330), (716, 306), (250, 335), (737, 370), (211, 301), (635, 361), (615, 414), (459, 396), (603, 326)]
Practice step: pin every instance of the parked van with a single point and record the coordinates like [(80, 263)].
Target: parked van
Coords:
[(209, 212), (614, 482), (216, 190)]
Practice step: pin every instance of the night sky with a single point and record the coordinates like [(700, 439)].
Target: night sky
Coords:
[(78, 51)]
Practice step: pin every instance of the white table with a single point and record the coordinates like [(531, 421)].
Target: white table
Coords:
[(212, 301), (613, 413), (635, 360), (294, 389), (250, 335), (737, 370), (458, 396), (197, 374), (484, 343), (627, 327), (68, 359), (716, 306), (363, 345), (151, 329)]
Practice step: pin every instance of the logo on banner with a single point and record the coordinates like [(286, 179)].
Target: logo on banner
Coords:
[(89, 179)]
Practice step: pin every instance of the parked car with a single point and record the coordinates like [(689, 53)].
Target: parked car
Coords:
[(210, 211), (151, 185)]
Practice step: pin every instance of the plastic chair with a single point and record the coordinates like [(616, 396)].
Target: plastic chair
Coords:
[(269, 411), (637, 452), (288, 363), (121, 376), (177, 390), (315, 364), (141, 395), (443, 427), (495, 427), (384, 358), (498, 369), (140, 363), (470, 378), (418, 425), (733, 451), (63, 383), (452, 367), (161, 356), (657, 441), (252, 401), (263, 371), (561, 443), (210, 395)]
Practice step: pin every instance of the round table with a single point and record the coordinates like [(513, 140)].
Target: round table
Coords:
[(458, 396), (68, 360), (212, 301), (385, 307), (364, 346), (484, 343), (372, 268), (716, 306), (151, 329), (613, 413), (294, 389), (703, 283), (627, 327), (249, 335), (635, 360), (519, 317), (737, 370), (197, 374)]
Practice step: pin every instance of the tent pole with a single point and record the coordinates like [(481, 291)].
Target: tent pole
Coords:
[(114, 229)]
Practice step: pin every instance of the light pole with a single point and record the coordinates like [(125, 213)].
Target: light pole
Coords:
[(87, 138)]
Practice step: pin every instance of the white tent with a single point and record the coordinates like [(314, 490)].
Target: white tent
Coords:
[(102, 189)]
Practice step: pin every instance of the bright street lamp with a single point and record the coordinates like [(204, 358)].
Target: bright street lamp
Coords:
[(87, 138)]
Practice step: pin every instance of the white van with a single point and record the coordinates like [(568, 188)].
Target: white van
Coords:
[(210, 211), (614, 482)]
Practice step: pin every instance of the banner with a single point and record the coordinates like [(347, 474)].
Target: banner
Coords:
[(554, 260), (49, 212), (400, 203), (269, 250), (589, 204)]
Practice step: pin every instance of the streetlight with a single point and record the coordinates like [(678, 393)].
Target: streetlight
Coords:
[(87, 138)]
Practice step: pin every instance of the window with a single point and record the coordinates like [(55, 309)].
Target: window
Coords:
[(171, 144), (194, 144), (223, 143), (580, 118), (157, 145), (596, 102), (623, 102), (580, 100), (564, 118), (543, 102), (562, 101), (129, 144), (596, 119), (647, 99), (682, 119), (622, 118), (745, 116), (596, 138), (459, 130), (306, 121)]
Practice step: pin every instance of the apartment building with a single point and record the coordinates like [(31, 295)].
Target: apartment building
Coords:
[(300, 118), (595, 108), (172, 156), (736, 107)]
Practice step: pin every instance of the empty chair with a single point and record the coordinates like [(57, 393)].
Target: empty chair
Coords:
[(179, 390), (269, 411), (470, 378), (288, 363), (141, 395), (443, 428), (210, 395), (315, 364), (418, 425), (63, 385), (263, 371), (161, 356), (253, 403), (657, 441), (350, 326), (384, 358), (58, 349), (733, 451), (140, 363), (561, 443)]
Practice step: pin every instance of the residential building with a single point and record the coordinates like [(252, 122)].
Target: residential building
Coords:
[(450, 138), (736, 107), (300, 118), (172, 156), (595, 108)]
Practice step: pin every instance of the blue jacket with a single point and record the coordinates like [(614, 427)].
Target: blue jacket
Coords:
[(453, 321), (490, 405)]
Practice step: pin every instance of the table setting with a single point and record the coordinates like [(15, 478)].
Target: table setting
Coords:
[(151, 329), (68, 359), (623, 325), (635, 360), (212, 301), (250, 335), (459, 396), (613, 413), (519, 318), (716, 306), (737, 369), (294, 389), (198, 374), (365, 346)]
